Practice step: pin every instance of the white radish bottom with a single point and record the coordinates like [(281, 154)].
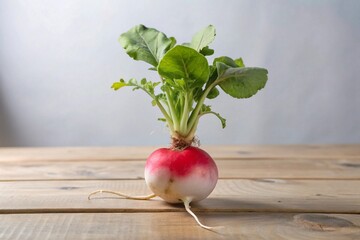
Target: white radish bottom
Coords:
[(196, 185)]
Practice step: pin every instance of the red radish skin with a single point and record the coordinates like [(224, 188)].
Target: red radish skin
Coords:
[(178, 176)]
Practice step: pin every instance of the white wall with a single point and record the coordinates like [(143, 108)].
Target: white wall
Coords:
[(59, 58)]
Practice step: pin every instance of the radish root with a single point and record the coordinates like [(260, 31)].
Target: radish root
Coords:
[(187, 202), (123, 195)]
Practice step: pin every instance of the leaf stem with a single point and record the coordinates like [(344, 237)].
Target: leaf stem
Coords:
[(162, 109), (195, 113), (192, 131), (174, 117), (166, 115), (185, 115)]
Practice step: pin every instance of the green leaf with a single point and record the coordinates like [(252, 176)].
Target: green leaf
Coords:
[(203, 38), (213, 93), (206, 109), (206, 51), (145, 85), (241, 82), (226, 60), (161, 119), (223, 120), (180, 83), (214, 73), (184, 63), (173, 42), (239, 62), (118, 85), (146, 44), (161, 97)]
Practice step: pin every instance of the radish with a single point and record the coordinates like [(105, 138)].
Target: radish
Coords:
[(178, 175), (183, 173)]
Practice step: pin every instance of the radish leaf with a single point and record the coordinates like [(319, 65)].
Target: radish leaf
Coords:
[(241, 82), (118, 85), (226, 60), (203, 38), (214, 92), (206, 51), (184, 63), (239, 62), (146, 44), (207, 110)]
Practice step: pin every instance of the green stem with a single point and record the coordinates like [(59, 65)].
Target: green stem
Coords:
[(174, 116), (166, 115), (195, 113), (192, 131), (162, 109), (185, 115)]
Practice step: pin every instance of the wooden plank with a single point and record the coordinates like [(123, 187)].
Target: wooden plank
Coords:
[(135, 152), (134, 169), (262, 195), (271, 226)]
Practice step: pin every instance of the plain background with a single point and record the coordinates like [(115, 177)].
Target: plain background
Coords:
[(58, 60)]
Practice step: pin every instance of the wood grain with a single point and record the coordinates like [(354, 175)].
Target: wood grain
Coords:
[(238, 195), (141, 153), (265, 192), (271, 226), (134, 169)]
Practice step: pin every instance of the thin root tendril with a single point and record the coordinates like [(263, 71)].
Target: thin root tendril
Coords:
[(123, 195), (187, 207)]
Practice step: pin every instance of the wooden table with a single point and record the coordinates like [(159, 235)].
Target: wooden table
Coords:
[(264, 192)]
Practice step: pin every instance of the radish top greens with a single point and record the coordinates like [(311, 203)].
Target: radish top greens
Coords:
[(186, 78)]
